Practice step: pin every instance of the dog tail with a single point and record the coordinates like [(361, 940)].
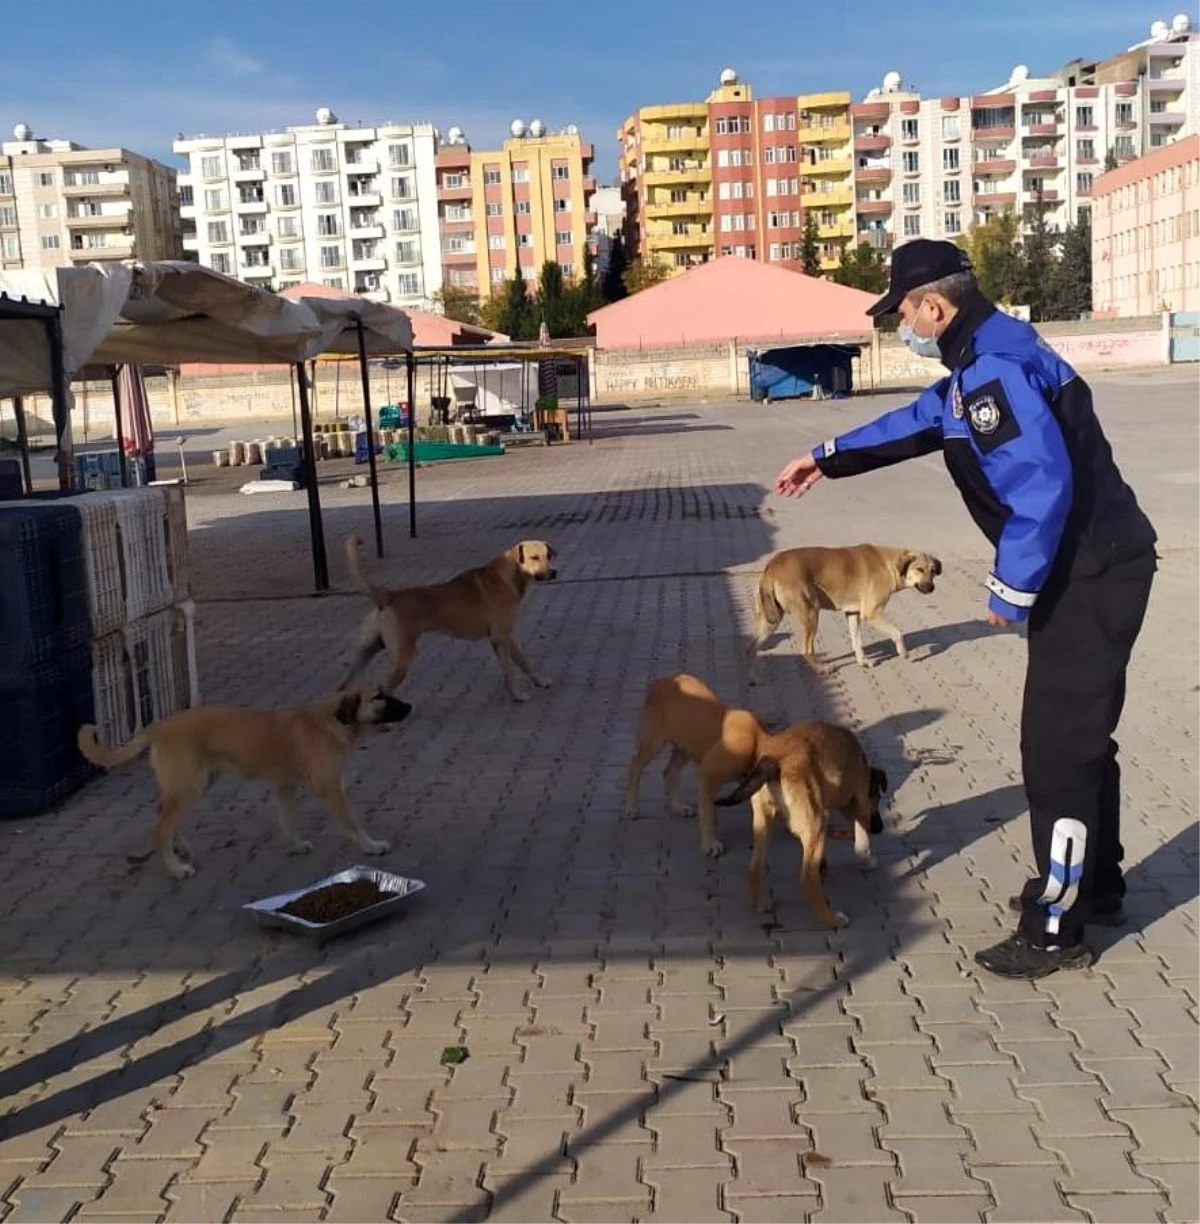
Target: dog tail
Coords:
[(374, 593), (768, 606), (877, 786), (108, 758), (764, 770)]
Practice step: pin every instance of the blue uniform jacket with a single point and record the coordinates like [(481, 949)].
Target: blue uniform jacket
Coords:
[(1020, 439)]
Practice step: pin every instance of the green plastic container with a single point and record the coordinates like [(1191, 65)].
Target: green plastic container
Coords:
[(439, 452)]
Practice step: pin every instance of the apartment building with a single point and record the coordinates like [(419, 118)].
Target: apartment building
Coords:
[(350, 207), (520, 206), (63, 204), (731, 176), (1146, 234), (932, 168)]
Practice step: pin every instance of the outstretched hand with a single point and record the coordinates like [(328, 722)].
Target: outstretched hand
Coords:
[(798, 477), (997, 621)]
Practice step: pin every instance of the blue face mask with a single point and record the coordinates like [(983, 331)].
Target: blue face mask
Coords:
[(922, 346)]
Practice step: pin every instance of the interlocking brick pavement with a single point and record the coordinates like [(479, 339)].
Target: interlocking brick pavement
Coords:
[(642, 1047)]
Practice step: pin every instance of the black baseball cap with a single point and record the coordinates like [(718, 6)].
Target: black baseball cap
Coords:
[(919, 262)]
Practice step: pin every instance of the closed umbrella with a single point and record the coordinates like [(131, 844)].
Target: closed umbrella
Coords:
[(134, 404)]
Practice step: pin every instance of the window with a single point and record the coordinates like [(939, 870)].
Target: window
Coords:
[(6, 183), (912, 193), (220, 262), (404, 219), (1083, 182), (331, 257), (773, 251), (912, 162), (562, 205), (285, 195), (524, 240), (402, 186), (325, 192), (528, 272), (1124, 112), (912, 225), (495, 209), (952, 192), (522, 208), (950, 162), (563, 237), (329, 225), (723, 191), (520, 174), (1123, 146), (498, 275), (568, 270), (410, 283), (727, 223), (252, 225), (950, 127), (214, 200), (288, 227), (910, 129), (496, 242), (398, 155), (458, 212), (50, 242), (492, 177), (561, 172), (768, 123), (452, 182), (772, 187), (8, 215), (1084, 117), (406, 252), (323, 160), (255, 257), (251, 195), (283, 163), (678, 195), (218, 233), (952, 222), (721, 126), (723, 158), (47, 211), (212, 167), (1085, 150)]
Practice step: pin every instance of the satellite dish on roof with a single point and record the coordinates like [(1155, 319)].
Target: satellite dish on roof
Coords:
[(23, 131), (572, 129), (1159, 30), (537, 128), (325, 116), (728, 76), (454, 136), (892, 82), (1181, 23), (1019, 74), (517, 128)]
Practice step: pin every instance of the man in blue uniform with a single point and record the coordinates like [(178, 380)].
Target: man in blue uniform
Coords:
[(1074, 558)]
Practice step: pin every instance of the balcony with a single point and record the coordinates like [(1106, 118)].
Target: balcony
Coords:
[(873, 207), (874, 174), (365, 199), (451, 194), (671, 242), (1168, 118), (372, 231), (693, 206), (361, 165), (373, 295), (652, 142), (464, 258), (1167, 82), (1126, 89), (833, 133), (101, 254), (993, 135), (254, 238), (97, 221), (840, 198), (994, 167), (248, 174), (1043, 162), (1045, 195), (995, 199), (876, 239), (250, 207), (368, 263), (96, 191), (674, 110), (837, 166), (589, 185), (871, 110), (1041, 129), (997, 101), (872, 142), (668, 178), (841, 229), (255, 271)]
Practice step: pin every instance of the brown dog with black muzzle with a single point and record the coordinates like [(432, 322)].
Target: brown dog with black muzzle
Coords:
[(289, 749), (802, 774), (478, 603), (858, 580)]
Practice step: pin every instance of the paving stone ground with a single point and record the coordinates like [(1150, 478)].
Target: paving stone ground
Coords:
[(642, 1048)]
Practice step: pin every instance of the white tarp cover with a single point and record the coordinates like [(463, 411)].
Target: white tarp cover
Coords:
[(386, 329), (498, 387)]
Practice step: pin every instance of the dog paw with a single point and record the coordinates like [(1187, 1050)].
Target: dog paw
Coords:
[(542, 683), (300, 847), (371, 846), (181, 871), (840, 921), (866, 862), (714, 849), (685, 812)]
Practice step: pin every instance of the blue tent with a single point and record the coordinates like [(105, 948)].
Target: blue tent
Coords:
[(795, 371)]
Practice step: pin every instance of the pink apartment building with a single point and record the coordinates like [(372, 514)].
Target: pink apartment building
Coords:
[(1146, 234)]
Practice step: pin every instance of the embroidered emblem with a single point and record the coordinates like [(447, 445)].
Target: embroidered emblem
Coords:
[(956, 404), (985, 415)]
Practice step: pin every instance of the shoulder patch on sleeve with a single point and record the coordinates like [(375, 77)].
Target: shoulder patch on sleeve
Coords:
[(990, 416)]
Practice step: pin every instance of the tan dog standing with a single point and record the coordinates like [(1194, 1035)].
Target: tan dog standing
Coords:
[(287, 748), (478, 603), (803, 774), (721, 743), (858, 580)]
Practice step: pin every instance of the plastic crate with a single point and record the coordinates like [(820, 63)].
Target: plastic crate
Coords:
[(12, 482), (43, 583), (177, 541), (102, 559), (41, 711), (142, 533), (112, 690)]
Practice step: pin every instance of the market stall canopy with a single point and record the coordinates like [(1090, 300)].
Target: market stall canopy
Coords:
[(386, 329)]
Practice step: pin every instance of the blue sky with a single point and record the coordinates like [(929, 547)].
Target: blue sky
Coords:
[(136, 73)]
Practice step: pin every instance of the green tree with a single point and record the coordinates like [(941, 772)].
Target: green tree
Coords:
[(1036, 269), (995, 251), (862, 267), (551, 298), (1110, 159), (458, 304), (1073, 282), (810, 246), (612, 283), (511, 311), (644, 274)]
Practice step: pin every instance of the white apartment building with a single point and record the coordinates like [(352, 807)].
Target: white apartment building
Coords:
[(63, 204), (933, 167), (352, 208)]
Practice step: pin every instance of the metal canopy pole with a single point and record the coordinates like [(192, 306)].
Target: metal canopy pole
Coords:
[(366, 390), (412, 446), (23, 442), (316, 528), (112, 372), (64, 451)]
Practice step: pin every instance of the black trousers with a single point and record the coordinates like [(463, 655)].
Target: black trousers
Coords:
[(1081, 634)]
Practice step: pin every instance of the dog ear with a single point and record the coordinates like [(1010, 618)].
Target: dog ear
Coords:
[(520, 554), (347, 709), (937, 566), (906, 559), (879, 782)]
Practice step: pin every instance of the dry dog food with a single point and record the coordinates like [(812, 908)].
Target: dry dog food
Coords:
[(335, 901)]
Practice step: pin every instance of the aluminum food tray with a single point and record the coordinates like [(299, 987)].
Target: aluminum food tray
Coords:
[(268, 911)]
